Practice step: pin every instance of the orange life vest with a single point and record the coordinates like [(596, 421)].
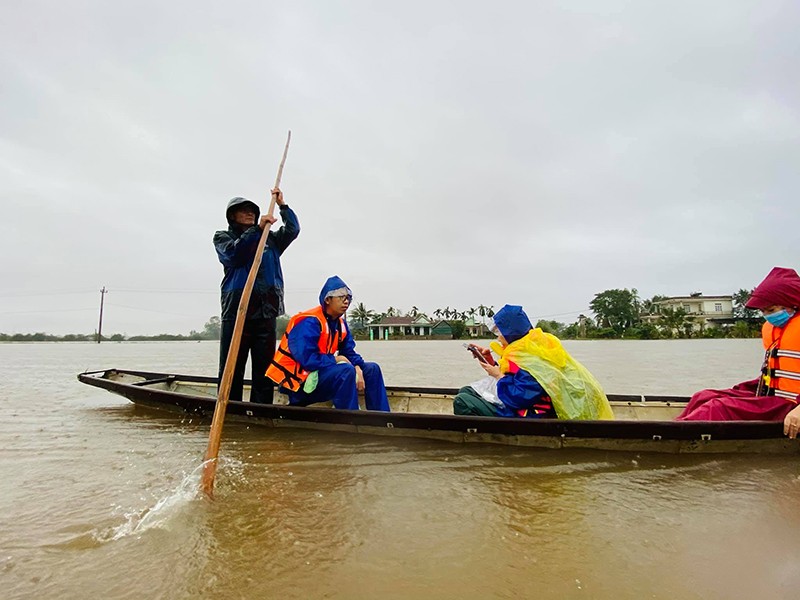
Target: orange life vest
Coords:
[(781, 371), (284, 368)]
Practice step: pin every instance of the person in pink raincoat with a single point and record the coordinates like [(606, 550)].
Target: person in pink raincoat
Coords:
[(775, 394)]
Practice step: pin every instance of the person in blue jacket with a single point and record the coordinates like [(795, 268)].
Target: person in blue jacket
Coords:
[(236, 249), (317, 359), (518, 393)]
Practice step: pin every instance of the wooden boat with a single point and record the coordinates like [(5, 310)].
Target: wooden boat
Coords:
[(641, 424)]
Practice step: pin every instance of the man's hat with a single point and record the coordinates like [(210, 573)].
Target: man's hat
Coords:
[(237, 202)]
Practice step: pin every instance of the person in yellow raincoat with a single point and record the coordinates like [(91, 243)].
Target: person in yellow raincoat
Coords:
[(535, 377)]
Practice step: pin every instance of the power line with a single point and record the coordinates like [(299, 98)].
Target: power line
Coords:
[(163, 312), (141, 291), (49, 310), (20, 294), (24, 294)]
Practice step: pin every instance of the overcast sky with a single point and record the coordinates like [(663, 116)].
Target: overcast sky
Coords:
[(443, 153)]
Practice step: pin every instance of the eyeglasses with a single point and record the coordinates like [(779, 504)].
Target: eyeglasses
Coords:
[(344, 297)]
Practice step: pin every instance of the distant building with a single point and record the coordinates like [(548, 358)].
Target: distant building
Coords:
[(389, 327), (442, 329), (476, 329), (701, 310), (421, 326)]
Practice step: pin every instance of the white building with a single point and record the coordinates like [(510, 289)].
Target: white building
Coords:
[(702, 310)]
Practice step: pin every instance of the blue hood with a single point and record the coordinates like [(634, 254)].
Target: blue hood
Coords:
[(512, 322), (333, 283)]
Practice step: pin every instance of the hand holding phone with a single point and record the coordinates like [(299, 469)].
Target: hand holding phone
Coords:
[(478, 354)]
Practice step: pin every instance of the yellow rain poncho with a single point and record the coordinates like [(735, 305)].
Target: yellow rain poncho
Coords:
[(575, 393)]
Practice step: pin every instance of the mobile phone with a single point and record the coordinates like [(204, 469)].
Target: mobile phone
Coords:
[(476, 353)]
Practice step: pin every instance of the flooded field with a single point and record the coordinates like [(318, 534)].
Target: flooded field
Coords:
[(98, 496)]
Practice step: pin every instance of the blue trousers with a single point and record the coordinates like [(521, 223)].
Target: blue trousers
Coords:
[(338, 384)]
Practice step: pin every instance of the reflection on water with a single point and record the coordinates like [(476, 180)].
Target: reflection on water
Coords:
[(98, 497)]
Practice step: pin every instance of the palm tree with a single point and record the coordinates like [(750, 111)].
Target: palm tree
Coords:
[(361, 314), (413, 312), (582, 322), (740, 311), (652, 307), (482, 313), (673, 320), (391, 311)]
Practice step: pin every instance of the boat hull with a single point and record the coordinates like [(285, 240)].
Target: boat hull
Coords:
[(426, 413)]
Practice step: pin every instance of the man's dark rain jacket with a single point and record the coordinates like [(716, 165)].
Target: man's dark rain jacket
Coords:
[(236, 249)]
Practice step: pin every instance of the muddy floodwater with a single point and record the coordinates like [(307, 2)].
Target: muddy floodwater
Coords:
[(98, 497)]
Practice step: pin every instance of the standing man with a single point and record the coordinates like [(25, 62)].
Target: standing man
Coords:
[(236, 248), (317, 359)]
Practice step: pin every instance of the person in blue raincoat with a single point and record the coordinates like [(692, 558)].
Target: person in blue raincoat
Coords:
[(316, 360), (236, 250), (535, 377)]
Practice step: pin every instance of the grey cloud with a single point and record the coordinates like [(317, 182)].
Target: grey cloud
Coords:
[(443, 153)]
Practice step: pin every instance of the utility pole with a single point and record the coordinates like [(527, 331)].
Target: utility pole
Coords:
[(103, 292)]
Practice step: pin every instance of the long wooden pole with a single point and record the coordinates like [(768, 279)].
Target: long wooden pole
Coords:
[(212, 451)]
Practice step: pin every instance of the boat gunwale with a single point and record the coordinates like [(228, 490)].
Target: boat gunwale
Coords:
[(645, 430)]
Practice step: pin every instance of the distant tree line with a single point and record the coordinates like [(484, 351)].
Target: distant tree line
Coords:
[(618, 314), (211, 331), (46, 337)]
